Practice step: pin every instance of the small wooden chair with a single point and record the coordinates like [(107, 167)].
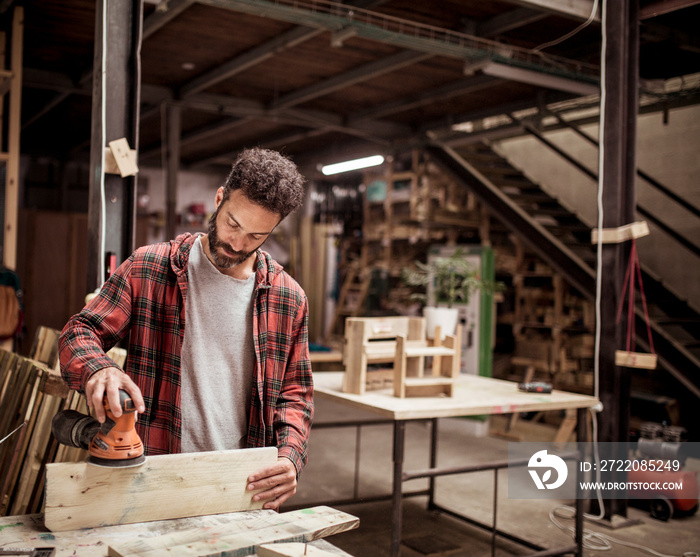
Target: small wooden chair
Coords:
[(372, 340), (409, 365)]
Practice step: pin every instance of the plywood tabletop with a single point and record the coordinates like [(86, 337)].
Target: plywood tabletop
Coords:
[(473, 395)]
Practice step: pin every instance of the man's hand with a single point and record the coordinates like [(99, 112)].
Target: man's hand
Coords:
[(110, 380), (278, 481)]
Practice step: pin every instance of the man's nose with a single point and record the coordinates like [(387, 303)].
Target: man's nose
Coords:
[(238, 241)]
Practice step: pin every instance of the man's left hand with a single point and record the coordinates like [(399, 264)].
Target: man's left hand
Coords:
[(279, 483)]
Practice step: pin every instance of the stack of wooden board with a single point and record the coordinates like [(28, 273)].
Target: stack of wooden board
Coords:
[(31, 393), (192, 536)]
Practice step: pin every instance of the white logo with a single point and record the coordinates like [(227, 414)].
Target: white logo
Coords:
[(543, 460)]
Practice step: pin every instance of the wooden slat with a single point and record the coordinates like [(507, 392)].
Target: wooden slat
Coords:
[(293, 549), (164, 487), (242, 538)]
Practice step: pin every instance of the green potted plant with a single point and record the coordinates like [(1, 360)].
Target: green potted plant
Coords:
[(453, 280)]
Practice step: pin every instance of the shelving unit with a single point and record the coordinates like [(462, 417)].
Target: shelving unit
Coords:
[(409, 205), (552, 327)]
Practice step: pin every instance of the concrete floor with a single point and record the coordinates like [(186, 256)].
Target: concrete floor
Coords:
[(329, 478)]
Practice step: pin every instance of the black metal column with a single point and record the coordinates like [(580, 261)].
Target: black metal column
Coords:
[(397, 487), (115, 114), (618, 134)]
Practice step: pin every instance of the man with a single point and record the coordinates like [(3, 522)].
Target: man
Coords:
[(218, 334)]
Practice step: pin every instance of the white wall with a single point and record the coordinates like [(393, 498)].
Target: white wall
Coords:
[(669, 153)]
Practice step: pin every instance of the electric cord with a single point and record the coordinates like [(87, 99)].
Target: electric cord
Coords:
[(571, 33), (597, 541), (103, 116)]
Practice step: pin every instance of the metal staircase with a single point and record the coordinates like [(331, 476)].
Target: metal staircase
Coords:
[(562, 240)]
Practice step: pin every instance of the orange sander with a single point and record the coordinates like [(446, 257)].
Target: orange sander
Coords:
[(114, 443)]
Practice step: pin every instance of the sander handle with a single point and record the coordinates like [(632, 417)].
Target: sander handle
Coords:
[(74, 429)]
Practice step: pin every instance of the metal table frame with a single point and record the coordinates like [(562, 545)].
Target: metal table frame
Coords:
[(400, 475)]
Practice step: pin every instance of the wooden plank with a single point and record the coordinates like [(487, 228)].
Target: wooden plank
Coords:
[(635, 359), (620, 234), (293, 549), (242, 537), (45, 346), (34, 460), (123, 157), (82, 495), (13, 143)]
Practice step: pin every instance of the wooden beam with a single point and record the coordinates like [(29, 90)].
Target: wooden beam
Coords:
[(363, 73), (160, 18), (242, 537), (13, 144), (575, 9), (661, 7), (82, 495)]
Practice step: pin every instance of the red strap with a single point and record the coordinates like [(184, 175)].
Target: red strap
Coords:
[(633, 269)]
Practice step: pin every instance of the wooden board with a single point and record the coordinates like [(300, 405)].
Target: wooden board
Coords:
[(29, 531), (243, 537), (294, 549), (82, 495)]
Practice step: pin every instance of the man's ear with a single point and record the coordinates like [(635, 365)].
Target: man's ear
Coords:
[(219, 196)]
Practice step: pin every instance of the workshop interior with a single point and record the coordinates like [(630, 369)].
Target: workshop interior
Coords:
[(498, 243)]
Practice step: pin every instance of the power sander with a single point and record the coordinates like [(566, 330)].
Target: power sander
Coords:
[(114, 443)]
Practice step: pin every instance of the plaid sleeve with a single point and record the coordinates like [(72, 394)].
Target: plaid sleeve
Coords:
[(294, 410), (94, 330)]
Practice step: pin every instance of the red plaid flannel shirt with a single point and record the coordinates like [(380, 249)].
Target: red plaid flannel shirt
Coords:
[(144, 300)]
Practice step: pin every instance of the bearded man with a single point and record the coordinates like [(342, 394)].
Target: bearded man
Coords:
[(217, 333)]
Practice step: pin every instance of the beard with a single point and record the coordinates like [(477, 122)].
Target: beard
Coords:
[(222, 254)]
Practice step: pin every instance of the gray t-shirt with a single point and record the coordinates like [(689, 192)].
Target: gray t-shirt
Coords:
[(218, 357)]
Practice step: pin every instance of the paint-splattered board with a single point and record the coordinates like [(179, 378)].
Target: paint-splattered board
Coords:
[(28, 531), (82, 495), (472, 395)]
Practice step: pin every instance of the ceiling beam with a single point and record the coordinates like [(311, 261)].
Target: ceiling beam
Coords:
[(507, 21), (200, 134), (439, 94), (575, 9), (251, 58), (661, 7), (521, 75), (412, 35), (245, 108), (357, 75), (260, 53), (162, 16), (653, 31)]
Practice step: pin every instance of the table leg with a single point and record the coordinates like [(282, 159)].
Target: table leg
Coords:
[(433, 461), (581, 438), (396, 500)]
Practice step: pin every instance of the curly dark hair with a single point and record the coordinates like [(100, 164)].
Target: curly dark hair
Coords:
[(267, 178)]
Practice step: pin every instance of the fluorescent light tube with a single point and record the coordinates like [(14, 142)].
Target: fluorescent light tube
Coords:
[(356, 164)]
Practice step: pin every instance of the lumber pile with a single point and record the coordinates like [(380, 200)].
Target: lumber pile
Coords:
[(31, 393)]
